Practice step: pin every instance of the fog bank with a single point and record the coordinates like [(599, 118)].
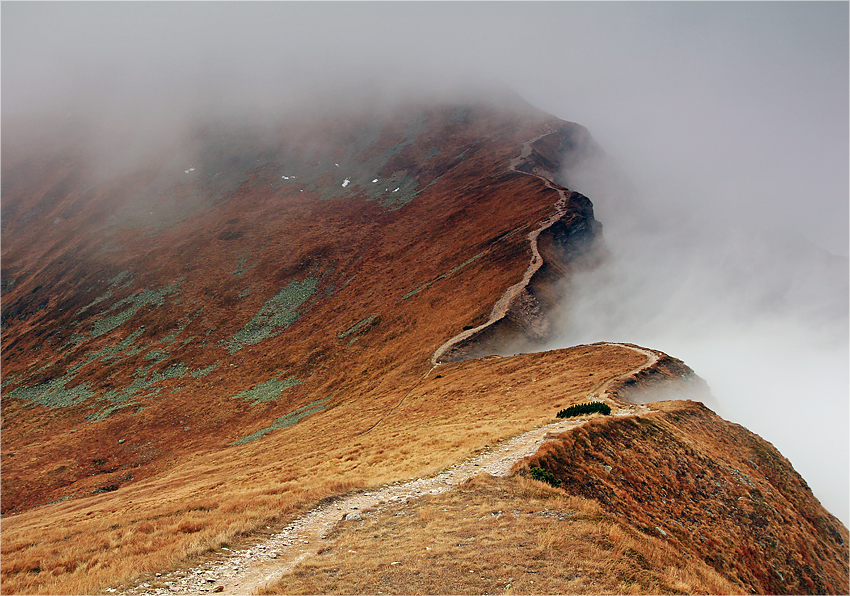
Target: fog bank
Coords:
[(762, 318)]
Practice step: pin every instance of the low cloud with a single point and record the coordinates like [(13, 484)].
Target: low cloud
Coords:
[(763, 318)]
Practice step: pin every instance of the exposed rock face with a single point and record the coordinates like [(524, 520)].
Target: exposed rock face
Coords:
[(525, 316), (712, 489), (528, 319)]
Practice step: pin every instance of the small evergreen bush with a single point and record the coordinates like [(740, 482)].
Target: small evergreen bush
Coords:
[(588, 408), (544, 476)]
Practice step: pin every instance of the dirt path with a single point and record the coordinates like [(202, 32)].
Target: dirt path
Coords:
[(246, 571), (600, 392), (500, 309)]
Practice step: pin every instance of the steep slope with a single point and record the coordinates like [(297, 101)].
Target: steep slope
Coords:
[(712, 490), (248, 280), (674, 500)]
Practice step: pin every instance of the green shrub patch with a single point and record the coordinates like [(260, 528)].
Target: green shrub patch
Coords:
[(286, 421), (588, 408), (544, 476), (278, 313)]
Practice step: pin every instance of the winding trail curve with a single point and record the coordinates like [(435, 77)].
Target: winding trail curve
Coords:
[(500, 309), (600, 392), (246, 571)]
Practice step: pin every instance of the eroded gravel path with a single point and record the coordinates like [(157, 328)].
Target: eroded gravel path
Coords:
[(503, 304)]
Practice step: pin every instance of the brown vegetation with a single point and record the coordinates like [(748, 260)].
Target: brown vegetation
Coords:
[(192, 356), (499, 536), (713, 490), (222, 263)]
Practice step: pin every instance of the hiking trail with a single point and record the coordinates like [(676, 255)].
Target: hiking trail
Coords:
[(247, 570)]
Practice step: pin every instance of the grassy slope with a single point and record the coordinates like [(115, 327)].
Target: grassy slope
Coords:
[(127, 311), (713, 489), (498, 536), (687, 504), (83, 545), (150, 333)]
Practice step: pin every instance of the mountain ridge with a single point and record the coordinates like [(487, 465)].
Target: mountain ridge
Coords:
[(221, 338)]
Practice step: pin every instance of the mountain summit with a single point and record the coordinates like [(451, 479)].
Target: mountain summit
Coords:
[(250, 320)]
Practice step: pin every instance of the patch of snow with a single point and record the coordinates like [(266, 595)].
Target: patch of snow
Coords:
[(396, 190), (375, 180), (345, 182), (336, 164), (285, 177), (189, 170)]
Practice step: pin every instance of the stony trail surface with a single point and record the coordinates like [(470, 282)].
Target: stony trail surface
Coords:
[(503, 304), (245, 571)]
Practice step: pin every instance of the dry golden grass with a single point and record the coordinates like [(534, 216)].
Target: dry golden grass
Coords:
[(183, 490), (85, 545), (498, 536)]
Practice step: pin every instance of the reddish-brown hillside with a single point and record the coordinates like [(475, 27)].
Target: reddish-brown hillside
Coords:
[(179, 306), (711, 489)]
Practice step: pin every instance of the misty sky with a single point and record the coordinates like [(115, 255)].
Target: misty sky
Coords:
[(728, 119)]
